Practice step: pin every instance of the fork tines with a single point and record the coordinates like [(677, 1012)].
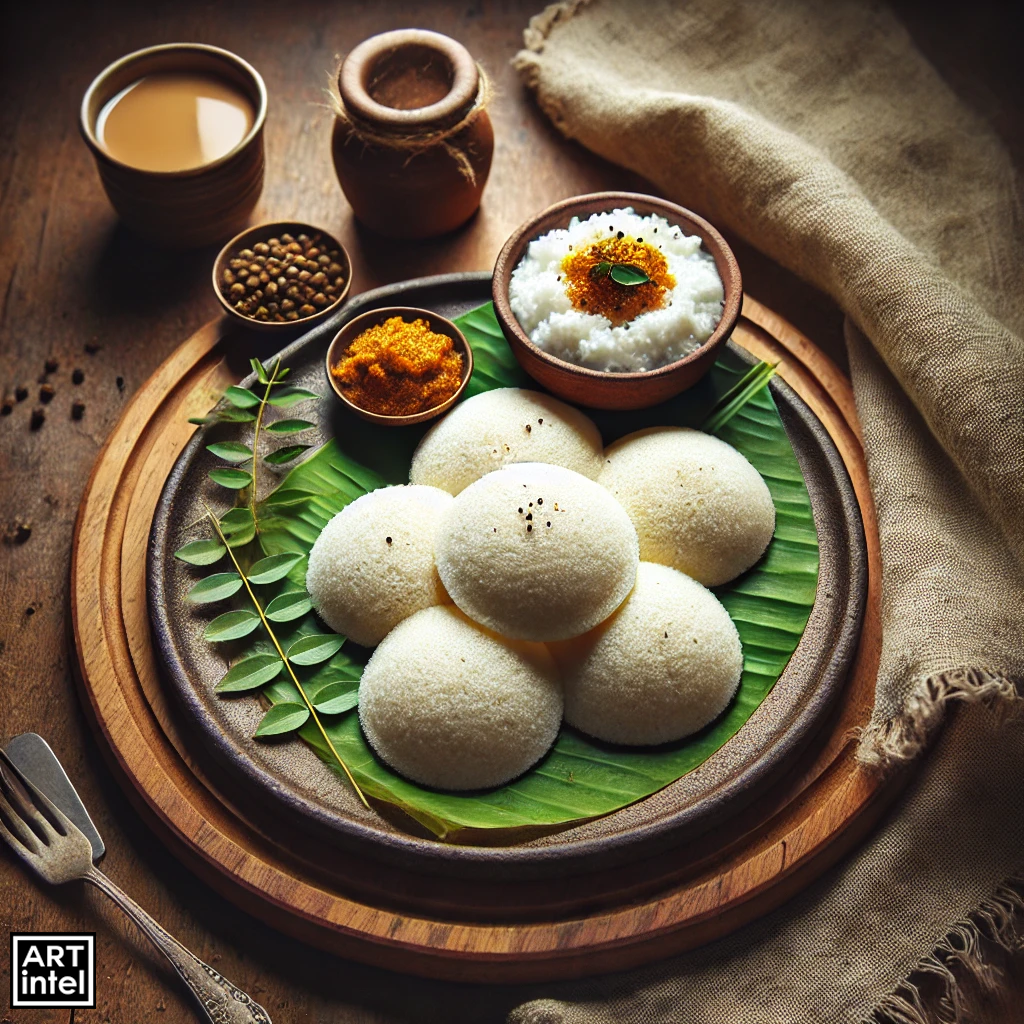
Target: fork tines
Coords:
[(25, 811)]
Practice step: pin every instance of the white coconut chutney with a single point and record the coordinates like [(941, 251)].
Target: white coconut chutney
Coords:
[(564, 295)]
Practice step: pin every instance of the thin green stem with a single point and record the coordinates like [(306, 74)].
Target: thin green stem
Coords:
[(256, 444), (284, 658)]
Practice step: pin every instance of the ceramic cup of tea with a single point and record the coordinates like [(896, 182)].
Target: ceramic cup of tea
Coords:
[(177, 133)]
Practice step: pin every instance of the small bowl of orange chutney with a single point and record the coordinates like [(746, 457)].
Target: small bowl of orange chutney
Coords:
[(399, 365)]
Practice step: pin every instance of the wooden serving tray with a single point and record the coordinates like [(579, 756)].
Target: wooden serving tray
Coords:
[(377, 913)]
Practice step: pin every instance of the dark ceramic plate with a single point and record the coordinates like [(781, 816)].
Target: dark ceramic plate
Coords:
[(293, 788)]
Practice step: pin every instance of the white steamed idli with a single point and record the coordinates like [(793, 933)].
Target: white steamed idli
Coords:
[(697, 504), (662, 667), (373, 564), (500, 427), (451, 705), (536, 552)]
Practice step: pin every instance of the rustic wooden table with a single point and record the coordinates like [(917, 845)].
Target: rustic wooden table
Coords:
[(79, 290)]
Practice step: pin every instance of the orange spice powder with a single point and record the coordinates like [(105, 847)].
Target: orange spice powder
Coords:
[(398, 368), (601, 295)]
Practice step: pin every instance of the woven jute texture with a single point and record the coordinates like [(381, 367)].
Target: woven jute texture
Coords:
[(819, 134)]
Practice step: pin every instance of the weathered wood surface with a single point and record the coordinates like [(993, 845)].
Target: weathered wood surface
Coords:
[(69, 276)]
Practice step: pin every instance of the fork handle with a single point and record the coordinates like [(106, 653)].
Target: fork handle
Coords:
[(221, 1002)]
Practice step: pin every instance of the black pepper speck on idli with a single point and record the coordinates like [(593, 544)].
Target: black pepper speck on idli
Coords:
[(373, 563), (450, 705), (500, 427), (666, 664), (536, 552), (697, 504)]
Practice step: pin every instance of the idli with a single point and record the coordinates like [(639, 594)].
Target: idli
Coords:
[(697, 504), (373, 564), (500, 427), (662, 667), (536, 552), (449, 704)]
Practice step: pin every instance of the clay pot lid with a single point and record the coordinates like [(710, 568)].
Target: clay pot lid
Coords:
[(366, 71)]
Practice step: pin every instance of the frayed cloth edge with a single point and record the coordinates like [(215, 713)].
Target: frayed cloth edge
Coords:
[(961, 950), (535, 36), (886, 745)]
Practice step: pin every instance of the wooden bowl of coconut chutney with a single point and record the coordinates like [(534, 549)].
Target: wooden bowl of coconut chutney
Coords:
[(605, 389)]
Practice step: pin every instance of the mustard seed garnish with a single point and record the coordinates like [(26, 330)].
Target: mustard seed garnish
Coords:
[(77, 376), (77, 409), (46, 393), (18, 533), (388, 540), (51, 365), (37, 420), (20, 393)]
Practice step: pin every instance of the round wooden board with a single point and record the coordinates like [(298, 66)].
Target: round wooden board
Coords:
[(728, 877)]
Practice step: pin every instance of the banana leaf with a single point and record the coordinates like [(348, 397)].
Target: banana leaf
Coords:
[(580, 778)]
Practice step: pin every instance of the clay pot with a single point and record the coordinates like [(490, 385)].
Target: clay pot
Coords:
[(397, 86), (182, 209)]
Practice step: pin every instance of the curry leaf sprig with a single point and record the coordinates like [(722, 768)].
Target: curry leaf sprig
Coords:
[(260, 668), (330, 690), (241, 474)]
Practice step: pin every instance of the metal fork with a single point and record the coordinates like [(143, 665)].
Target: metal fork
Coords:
[(58, 851)]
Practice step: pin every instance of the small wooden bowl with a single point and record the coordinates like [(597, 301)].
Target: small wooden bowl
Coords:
[(601, 389), (190, 208), (438, 324), (246, 240)]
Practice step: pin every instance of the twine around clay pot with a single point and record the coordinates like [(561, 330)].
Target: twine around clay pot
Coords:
[(412, 140)]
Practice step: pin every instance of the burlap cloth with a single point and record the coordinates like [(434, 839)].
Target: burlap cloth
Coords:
[(818, 133)]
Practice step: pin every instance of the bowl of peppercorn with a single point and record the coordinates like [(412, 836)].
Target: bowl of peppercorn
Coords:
[(275, 277), (602, 310)]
